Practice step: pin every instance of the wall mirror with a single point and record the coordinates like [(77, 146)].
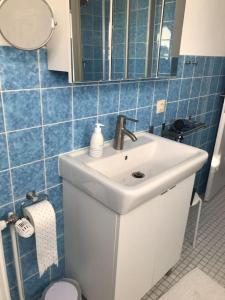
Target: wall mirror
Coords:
[(126, 39), (26, 24)]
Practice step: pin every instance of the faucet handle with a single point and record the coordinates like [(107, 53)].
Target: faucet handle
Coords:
[(132, 120)]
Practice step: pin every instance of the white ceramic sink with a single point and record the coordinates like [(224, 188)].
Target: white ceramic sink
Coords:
[(109, 179)]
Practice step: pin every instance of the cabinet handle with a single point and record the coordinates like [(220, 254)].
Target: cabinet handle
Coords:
[(172, 187), (168, 190), (164, 192)]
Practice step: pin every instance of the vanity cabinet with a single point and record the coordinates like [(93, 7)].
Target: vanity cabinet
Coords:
[(120, 257)]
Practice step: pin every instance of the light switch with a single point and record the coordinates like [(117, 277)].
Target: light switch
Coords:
[(160, 108)]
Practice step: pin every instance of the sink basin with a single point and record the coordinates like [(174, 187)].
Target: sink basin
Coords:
[(123, 180)]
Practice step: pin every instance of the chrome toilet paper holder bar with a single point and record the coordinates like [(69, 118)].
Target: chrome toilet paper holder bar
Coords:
[(33, 198)]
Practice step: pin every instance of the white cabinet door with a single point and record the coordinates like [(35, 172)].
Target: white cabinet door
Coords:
[(150, 241), (135, 258), (173, 208)]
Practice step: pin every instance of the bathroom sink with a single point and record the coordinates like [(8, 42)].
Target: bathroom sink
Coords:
[(124, 179)]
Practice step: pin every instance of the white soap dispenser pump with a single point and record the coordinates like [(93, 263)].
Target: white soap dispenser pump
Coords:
[(97, 142)]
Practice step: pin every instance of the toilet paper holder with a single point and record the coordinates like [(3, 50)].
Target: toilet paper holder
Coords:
[(34, 198)]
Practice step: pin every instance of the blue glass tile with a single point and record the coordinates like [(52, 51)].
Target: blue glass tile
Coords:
[(205, 86), (218, 102), (169, 11), (3, 153), (52, 173), (55, 195), (109, 122), (196, 86), (120, 5), (158, 130), (60, 244), (51, 78), (196, 139), (128, 95), (11, 275), (58, 138), (25, 146), (57, 272), (83, 130), (14, 292), (187, 140), (142, 4), (202, 105), (118, 51), (217, 66), (4, 211), (119, 36), (221, 85), (34, 286), (185, 88), (180, 66), (161, 89), (59, 223), (28, 178), (108, 98), (145, 95), (188, 68), (223, 68), (27, 245), (204, 136), (18, 69), (192, 108), (141, 34), (165, 66), (119, 20), (199, 68), (140, 68), (143, 116), (22, 109), (171, 111), (5, 188), (119, 66), (182, 109), (210, 103), (214, 85), (8, 249), (174, 90), (158, 119), (142, 17), (140, 50), (209, 64), (2, 128), (85, 101), (57, 105)]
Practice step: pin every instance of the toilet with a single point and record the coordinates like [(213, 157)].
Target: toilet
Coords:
[(63, 289)]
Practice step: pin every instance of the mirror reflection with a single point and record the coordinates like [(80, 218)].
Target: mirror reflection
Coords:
[(126, 39)]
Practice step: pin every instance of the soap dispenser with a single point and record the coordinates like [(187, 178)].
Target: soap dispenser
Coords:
[(97, 142)]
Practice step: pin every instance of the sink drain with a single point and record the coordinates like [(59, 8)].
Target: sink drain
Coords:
[(138, 174)]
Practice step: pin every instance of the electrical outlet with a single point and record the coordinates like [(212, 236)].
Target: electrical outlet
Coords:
[(161, 105)]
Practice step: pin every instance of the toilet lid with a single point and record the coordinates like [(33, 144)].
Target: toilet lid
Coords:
[(62, 290)]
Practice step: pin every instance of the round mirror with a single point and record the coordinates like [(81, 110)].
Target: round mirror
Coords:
[(26, 24)]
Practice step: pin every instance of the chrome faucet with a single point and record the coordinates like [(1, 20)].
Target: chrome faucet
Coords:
[(121, 131)]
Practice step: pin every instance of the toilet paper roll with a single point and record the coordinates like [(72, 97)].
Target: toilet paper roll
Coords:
[(42, 217)]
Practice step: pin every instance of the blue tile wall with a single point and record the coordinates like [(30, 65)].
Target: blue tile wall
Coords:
[(43, 116)]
